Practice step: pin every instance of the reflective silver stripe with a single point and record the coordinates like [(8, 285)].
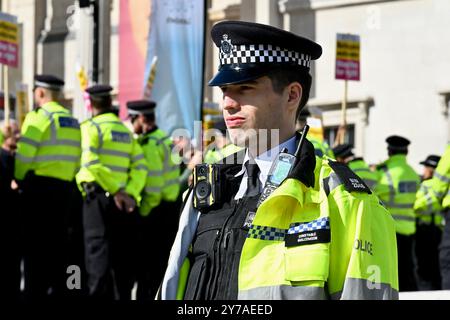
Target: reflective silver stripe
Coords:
[(154, 173), (138, 157), (114, 122), (429, 203), (47, 158), (25, 159), (62, 142), (333, 181), (362, 289), (99, 131), (401, 217), (401, 205), (57, 158), (370, 183), (141, 167), (166, 164), (117, 168), (110, 152), (49, 114), (90, 163), (29, 141), (441, 177), (171, 182), (152, 190), (391, 186), (283, 292)]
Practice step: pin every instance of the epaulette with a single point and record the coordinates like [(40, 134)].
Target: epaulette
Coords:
[(350, 180), (144, 141)]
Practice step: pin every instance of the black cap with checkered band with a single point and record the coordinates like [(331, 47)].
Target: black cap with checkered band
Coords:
[(250, 50)]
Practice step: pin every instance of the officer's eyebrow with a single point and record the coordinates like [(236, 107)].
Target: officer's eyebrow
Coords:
[(246, 83)]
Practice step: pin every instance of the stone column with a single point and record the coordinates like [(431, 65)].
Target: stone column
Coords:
[(50, 53)]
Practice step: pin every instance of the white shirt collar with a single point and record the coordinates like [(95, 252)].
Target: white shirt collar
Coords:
[(264, 162)]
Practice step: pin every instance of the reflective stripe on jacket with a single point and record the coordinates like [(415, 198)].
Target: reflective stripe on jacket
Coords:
[(439, 190), (171, 168), (111, 156), (50, 144), (152, 192), (397, 186)]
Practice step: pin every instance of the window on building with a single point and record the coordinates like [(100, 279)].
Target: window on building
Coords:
[(330, 134)]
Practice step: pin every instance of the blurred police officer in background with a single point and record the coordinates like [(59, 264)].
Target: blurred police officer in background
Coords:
[(221, 147), (397, 186), (153, 235), (344, 154), (10, 227), (429, 225), (321, 147), (47, 158), (438, 197), (112, 175), (282, 249)]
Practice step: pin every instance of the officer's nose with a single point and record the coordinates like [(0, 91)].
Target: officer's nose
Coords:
[(229, 103)]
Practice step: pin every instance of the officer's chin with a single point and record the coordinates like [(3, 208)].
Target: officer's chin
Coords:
[(243, 138)]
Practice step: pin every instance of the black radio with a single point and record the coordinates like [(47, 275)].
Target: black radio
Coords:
[(281, 168)]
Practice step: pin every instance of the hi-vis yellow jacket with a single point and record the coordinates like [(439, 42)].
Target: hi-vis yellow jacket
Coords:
[(50, 144), (111, 156), (152, 192), (358, 262), (427, 205), (397, 186), (171, 170), (438, 193)]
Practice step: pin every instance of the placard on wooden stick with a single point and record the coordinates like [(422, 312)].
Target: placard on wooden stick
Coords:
[(9, 52), (347, 68)]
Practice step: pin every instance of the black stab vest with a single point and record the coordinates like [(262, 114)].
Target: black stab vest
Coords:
[(217, 245)]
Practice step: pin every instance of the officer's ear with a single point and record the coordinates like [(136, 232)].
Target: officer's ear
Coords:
[(294, 94)]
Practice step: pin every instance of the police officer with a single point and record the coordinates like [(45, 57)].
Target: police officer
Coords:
[(397, 186), (321, 148), (112, 175), (282, 249), (344, 154), (47, 158), (429, 225), (153, 239), (438, 197)]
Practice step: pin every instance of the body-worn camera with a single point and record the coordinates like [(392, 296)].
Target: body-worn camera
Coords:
[(208, 187)]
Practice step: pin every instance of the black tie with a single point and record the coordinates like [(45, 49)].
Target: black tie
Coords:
[(253, 183)]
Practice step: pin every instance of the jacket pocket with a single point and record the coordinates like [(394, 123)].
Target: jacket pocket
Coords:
[(307, 262)]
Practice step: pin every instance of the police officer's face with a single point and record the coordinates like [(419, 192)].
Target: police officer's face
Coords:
[(254, 105)]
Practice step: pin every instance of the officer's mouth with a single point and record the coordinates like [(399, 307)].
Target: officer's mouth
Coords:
[(234, 122)]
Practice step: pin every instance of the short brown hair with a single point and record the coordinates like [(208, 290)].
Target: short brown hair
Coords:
[(282, 77)]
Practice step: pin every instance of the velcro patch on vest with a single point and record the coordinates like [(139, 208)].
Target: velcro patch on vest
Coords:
[(407, 187), (123, 137), (316, 231), (66, 122), (351, 181), (249, 220)]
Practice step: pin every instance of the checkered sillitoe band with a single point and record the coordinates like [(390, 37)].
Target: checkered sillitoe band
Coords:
[(263, 53)]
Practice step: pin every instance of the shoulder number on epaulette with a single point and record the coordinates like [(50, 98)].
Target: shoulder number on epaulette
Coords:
[(351, 181)]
